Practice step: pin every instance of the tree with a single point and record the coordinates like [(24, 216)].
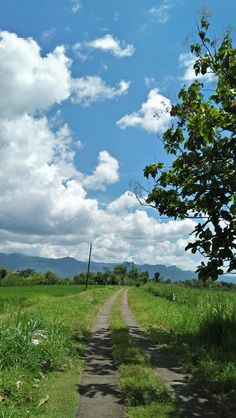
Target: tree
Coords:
[(26, 272), (133, 275), (201, 182), (3, 272), (143, 277), (157, 277), (79, 278), (51, 278), (120, 271)]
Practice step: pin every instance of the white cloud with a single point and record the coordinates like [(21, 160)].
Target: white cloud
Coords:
[(28, 81), (149, 82), (80, 51), (45, 208), (93, 88), (75, 6), (106, 172), (161, 13), (48, 34), (187, 61), (152, 116), (123, 203), (113, 45)]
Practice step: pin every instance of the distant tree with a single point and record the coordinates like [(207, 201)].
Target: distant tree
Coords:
[(106, 276), (133, 275), (144, 277), (51, 278), (201, 182), (79, 278), (3, 272), (157, 277), (100, 278), (26, 272), (12, 279), (120, 271)]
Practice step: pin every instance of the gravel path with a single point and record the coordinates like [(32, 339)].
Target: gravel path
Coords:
[(100, 396), (192, 399)]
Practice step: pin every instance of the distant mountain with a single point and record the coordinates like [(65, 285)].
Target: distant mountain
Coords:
[(68, 267)]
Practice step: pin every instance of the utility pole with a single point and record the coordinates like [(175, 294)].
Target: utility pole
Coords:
[(87, 277)]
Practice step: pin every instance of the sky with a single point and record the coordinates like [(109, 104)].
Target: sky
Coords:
[(81, 82)]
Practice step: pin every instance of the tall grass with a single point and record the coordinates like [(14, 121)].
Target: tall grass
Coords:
[(199, 327), (144, 392), (38, 343)]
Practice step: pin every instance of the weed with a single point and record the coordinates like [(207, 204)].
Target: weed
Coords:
[(40, 347), (140, 385), (199, 328)]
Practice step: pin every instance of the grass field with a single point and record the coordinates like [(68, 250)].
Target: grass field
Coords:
[(41, 339), (199, 327)]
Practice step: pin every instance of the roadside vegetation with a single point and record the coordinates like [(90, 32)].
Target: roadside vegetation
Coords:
[(42, 335), (44, 325), (199, 327), (122, 274), (145, 394), (125, 274)]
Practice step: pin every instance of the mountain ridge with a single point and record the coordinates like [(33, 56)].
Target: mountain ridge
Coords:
[(69, 266)]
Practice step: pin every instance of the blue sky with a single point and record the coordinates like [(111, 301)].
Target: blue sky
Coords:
[(80, 83)]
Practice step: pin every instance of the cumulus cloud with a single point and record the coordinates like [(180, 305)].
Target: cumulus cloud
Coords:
[(93, 88), (45, 207), (106, 172), (161, 13), (123, 203), (152, 116), (187, 61), (28, 81), (113, 45)]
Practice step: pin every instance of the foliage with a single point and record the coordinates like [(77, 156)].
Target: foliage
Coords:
[(198, 327), (3, 272), (51, 278), (201, 182), (157, 277), (40, 347), (26, 272), (122, 274), (142, 388)]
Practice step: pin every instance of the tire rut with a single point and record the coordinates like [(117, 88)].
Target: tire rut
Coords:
[(193, 401), (100, 396)]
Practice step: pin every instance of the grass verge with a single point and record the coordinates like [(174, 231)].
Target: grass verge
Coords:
[(40, 353), (199, 329), (144, 392)]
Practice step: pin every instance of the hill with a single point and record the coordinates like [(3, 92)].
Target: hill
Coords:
[(68, 267)]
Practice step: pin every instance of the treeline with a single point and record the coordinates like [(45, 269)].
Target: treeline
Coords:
[(199, 284), (120, 275)]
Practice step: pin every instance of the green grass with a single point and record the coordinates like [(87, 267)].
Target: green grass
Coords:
[(42, 379), (144, 392), (199, 328), (12, 298)]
